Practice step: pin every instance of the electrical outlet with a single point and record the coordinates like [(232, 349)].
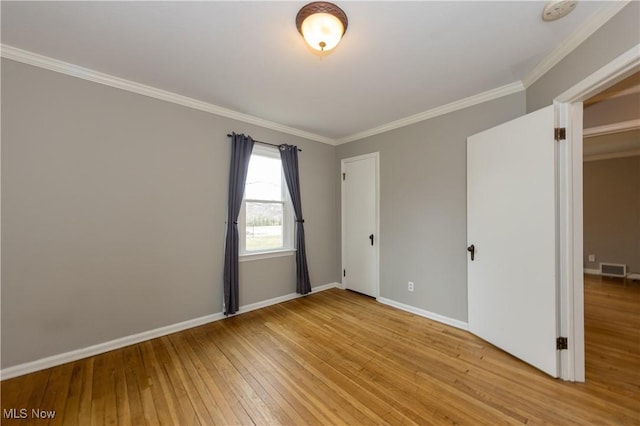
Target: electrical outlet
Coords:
[(410, 286), (592, 258)]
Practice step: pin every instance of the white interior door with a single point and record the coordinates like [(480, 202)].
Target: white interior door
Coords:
[(511, 222), (360, 224)]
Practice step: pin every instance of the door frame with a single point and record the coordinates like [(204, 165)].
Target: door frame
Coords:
[(568, 109), (376, 157)]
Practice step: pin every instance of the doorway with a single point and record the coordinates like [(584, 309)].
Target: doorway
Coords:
[(611, 205), (611, 180), (569, 109), (360, 224)]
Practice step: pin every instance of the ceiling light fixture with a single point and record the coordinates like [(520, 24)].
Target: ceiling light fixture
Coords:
[(322, 24)]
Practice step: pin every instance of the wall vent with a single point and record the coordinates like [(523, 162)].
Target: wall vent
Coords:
[(613, 270)]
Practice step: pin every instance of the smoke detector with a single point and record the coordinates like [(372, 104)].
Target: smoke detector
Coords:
[(557, 9)]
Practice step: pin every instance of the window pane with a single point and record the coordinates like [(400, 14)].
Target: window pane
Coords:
[(264, 226), (264, 179)]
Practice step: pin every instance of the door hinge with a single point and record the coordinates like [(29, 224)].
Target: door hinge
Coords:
[(562, 343), (344, 272), (560, 133), (344, 176)]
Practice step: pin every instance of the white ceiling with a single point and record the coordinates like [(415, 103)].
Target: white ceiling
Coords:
[(397, 59)]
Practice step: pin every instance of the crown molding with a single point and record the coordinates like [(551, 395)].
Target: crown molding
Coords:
[(608, 129), (612, 155), (619, 68), (605, 97), (56, 65), (41, 61), (435, 112), (607, 11)]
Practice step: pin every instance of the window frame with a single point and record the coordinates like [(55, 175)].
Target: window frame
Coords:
[(288, 218)]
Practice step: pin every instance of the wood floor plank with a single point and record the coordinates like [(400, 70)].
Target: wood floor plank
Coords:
[(175, 380), (110, 385), (18, 396), (163, 405), (205, 407), (215, 391), (243, 364), (346, 366), (252, 366), (314, 387), (336, 357), (121, 394), (55, 396), (248, 400), (71, 412), (98, 391), (133, 387), (396, 380), (149, 410)]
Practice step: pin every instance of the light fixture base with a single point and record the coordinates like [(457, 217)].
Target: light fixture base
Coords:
[(320, 7)]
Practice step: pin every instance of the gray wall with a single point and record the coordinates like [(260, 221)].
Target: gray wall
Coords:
[(113, 212), (616, 110), (612, 212), (423, 228), (615, 37)]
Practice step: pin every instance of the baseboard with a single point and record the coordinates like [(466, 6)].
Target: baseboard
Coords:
[(52, 361), (427, 314), (325, 287), (253, 306), (630, 275)]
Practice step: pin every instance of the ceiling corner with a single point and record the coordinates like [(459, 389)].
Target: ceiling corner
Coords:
[(607, 11)]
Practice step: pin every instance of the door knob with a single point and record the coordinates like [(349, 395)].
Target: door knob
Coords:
[(371, 238), (472, 249)]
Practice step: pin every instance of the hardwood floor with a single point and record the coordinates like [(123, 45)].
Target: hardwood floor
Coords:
[(336, 357)]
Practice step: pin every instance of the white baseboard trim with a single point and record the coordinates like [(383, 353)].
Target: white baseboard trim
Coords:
[(325, 287), (629, 276), (52, 361), (427, 314), (253, 306)]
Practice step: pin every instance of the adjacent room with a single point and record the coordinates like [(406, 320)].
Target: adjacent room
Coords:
[(354, 213)]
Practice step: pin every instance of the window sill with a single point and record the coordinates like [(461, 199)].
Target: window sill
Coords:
[(265, 255)]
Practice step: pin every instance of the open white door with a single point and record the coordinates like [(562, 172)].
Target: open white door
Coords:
[(511, 224)]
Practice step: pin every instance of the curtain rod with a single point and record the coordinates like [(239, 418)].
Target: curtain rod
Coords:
[(264, 143)]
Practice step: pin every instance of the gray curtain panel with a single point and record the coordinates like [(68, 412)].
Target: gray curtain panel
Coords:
[(289, 156), (241, 147)]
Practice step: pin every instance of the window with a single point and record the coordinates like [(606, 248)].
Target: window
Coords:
[(266, 220)]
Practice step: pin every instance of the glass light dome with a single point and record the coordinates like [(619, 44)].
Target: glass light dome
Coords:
[(322, 31), (322, 24)]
